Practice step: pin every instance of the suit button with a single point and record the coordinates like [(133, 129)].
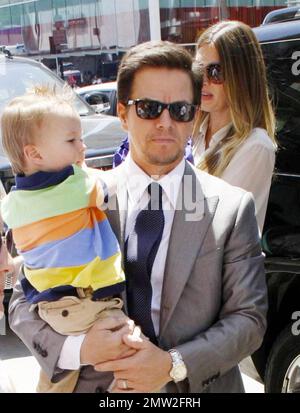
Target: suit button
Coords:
[(65, 313), (44, 353), (99, 390)]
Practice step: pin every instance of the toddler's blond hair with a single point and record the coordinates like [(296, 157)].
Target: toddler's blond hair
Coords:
[(24, 115)]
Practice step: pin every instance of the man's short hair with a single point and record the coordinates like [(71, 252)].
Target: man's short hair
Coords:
[(156, 54)]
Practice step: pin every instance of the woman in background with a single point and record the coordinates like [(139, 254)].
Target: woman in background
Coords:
[(234, 133)]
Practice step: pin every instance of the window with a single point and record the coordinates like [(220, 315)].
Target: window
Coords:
[(283, 68), (281, 235)]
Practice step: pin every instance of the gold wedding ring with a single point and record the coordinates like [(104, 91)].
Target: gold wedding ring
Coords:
[(124, 384)]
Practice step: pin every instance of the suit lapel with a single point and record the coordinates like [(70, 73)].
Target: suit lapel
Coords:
[(117, 206), (113, 216), (117, 214), (187, 235)]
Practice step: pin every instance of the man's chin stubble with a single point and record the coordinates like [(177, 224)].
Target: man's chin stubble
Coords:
[(164, 160)]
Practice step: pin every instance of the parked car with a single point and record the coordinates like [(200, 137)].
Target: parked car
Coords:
[(102, 97), (102, 134), (278, 359)]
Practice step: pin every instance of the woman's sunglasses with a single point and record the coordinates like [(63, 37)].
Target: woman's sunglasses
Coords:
[(214, 73), (152, 109)]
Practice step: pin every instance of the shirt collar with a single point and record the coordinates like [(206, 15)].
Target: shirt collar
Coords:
[(216, 137), (138, 181), (41, 180)]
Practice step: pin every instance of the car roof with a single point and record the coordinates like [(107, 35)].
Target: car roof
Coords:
[(18, 59), (274, 32), (284, 14)]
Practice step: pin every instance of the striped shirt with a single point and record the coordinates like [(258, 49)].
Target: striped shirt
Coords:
[(66, 241)]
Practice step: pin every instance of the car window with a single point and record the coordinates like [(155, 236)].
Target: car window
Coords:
[(16, 77), (282, 224), (283, 68), (95, 99), (108, 93)]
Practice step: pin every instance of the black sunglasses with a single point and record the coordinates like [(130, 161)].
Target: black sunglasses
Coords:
[(152, 109), (214, 73)]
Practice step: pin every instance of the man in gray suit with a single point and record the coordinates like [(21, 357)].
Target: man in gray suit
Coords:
[(208, 293)]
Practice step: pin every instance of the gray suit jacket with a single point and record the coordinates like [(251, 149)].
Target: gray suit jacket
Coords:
[(213, 303)]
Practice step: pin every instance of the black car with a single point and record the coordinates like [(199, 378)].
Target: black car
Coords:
[(278, 359)]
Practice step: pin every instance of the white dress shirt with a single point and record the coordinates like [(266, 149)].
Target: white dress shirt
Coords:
[(251, 167), (138, 197)]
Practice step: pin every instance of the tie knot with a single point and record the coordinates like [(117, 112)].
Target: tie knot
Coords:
[(155, 192)]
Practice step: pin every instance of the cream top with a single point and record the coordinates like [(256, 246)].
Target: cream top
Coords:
[(251, 167)]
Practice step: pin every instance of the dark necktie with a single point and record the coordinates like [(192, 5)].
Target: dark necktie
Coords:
[(144, 241)]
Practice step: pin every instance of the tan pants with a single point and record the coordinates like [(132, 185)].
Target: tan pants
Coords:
[(73, 316)]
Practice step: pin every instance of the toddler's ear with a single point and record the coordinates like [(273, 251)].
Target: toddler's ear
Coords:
[(32, 155)]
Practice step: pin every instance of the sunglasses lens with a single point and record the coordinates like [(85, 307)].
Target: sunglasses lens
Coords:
[(182, 112), (148, 109), (214, 73), (152, 109)]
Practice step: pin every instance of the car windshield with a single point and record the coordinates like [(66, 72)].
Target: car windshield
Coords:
[(16, 77)]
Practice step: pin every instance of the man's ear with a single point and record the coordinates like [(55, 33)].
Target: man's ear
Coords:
[(32, 155), (122, 113)]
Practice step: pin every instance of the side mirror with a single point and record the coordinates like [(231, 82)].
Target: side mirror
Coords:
[(98, 101)]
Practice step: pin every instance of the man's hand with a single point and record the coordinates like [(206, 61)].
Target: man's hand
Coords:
[(145, 371), (104, 341), (2, 280), (7, 265)]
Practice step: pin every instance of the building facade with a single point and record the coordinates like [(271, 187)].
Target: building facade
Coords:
[(98, 31)]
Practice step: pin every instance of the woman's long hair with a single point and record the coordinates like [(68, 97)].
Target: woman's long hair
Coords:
[(245, 87)]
